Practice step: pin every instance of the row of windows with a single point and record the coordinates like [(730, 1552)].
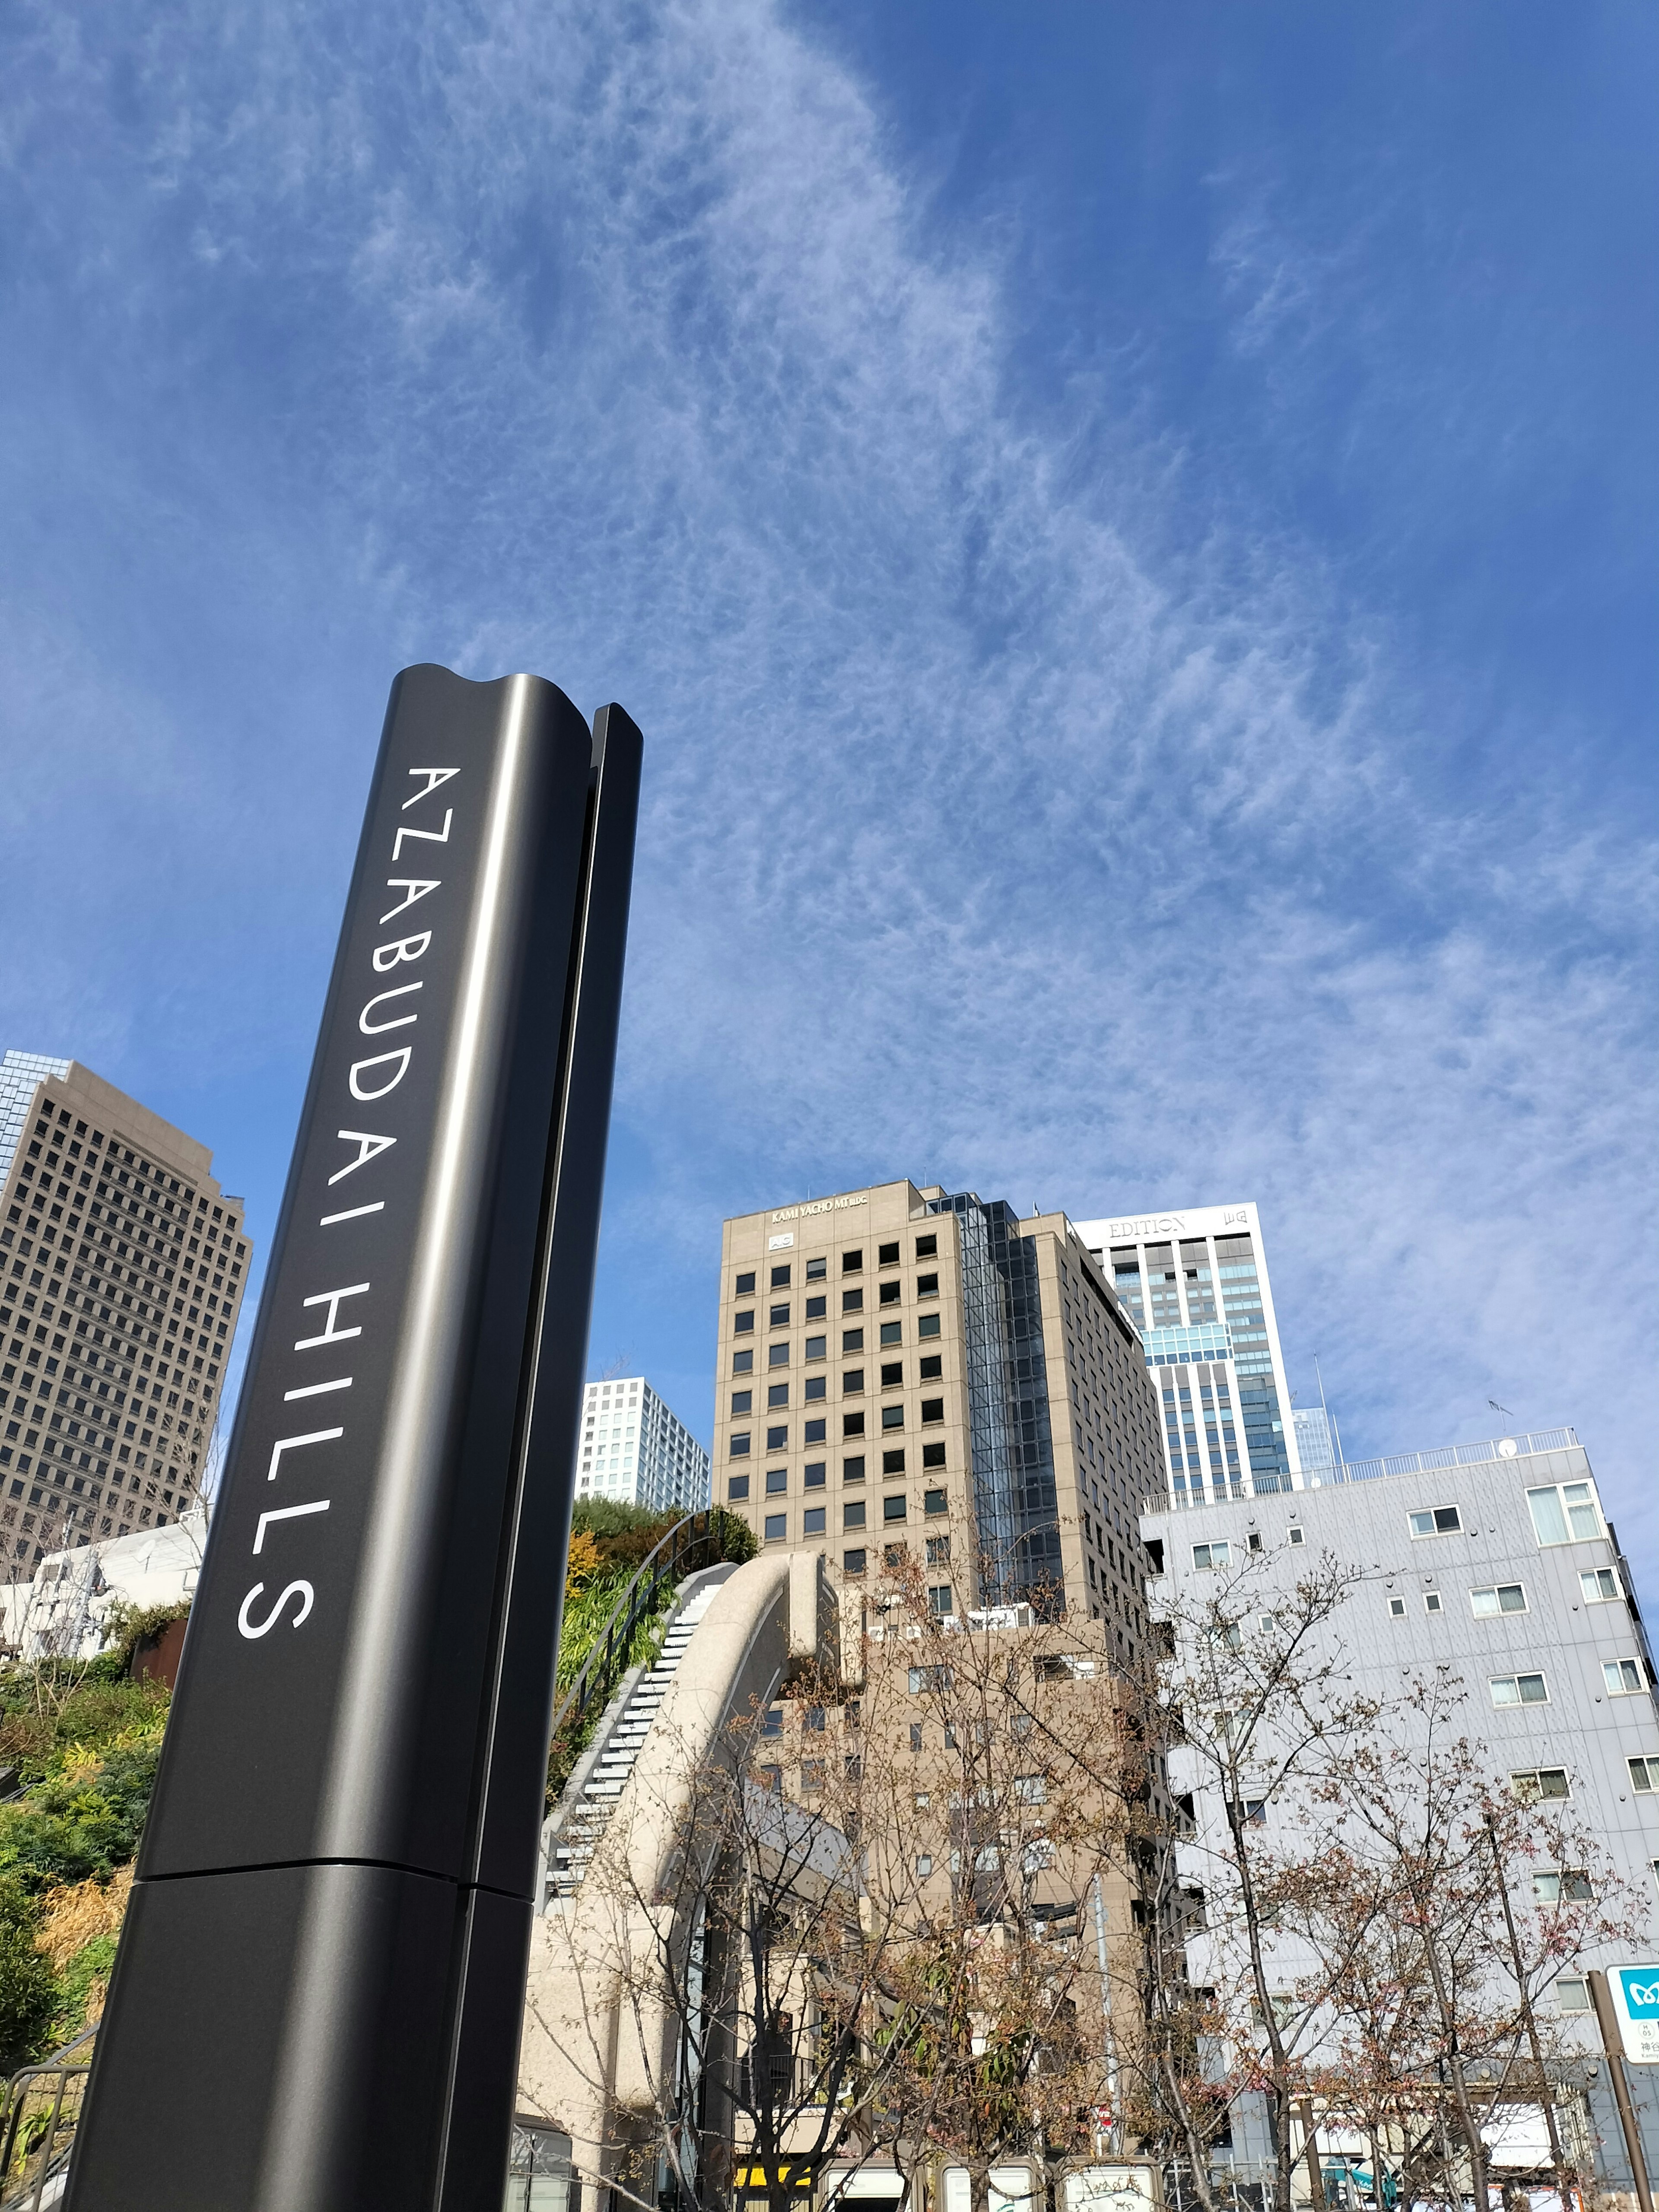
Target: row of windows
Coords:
[(1598, 1585), (778, 1316), (1562, 1513), (892, 1417), (1620, 1678), (887, 1255), (852, 1340), (852, 1470), (855, 1514)]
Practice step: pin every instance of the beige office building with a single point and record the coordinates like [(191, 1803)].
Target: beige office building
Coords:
[(122, 1270), (909, 1367)]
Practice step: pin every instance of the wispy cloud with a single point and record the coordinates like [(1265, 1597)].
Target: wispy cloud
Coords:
[(987, 838)]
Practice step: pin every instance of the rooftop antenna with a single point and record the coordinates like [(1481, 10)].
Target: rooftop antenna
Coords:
[(1503, 1410), (1330, 1419)]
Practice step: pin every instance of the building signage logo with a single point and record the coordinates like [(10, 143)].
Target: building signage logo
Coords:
[(820, 1205), (1636, 2000)]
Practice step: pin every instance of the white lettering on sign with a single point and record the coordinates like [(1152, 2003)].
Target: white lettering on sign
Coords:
[(367, 1080), (331, 1335), (252, 1630), (1149, 1225), (369, 1148), (293, 1444), (285, 1513), (821, 1206), (781, 1243)]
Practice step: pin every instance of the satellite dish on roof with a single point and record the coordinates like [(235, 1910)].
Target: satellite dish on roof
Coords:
[(1507, 1448)]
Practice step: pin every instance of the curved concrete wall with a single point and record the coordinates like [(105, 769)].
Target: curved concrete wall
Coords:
[(595, 2061)]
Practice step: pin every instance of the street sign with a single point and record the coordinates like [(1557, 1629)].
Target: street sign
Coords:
[(1636, 2001), (317, 2001)]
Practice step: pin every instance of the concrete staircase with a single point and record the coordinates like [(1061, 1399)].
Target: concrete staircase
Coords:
[(583, 1812)]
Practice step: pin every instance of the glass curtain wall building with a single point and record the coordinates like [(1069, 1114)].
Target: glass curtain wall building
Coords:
[(1195, 1281)]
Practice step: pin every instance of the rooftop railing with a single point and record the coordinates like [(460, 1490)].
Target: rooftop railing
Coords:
[(1522, 1445)]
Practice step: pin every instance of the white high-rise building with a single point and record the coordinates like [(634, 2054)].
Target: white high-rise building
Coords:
[(1194, 1282), (634, 1449)]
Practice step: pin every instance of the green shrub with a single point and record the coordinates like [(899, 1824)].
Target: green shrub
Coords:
[(29, 1992), (79, 1824)]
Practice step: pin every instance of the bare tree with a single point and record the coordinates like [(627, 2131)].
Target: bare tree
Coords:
[(871, 1933)]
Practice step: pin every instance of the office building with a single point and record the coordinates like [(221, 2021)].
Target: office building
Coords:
[(122, 1271), (634, 1449), (906, 1370), (1492, 1571), (1195, 1283), (1315, 1443)]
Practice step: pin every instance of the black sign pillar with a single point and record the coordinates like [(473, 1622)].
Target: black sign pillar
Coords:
[(316, 2003)]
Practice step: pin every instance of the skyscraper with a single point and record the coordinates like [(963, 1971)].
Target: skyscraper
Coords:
[(122, 1270), (912, 1370), (1195, 1281), (636, 1450)]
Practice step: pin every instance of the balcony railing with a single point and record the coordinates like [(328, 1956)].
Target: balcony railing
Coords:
[(1497, 1449)]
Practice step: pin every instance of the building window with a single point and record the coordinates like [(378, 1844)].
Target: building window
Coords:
[(743, 1401), (777, 1440), (817, 1270), (1431, 1601), (1535, 1783), (891, 1294), (932, 1409), (852, 1340), (851, 1563), (935, 1501), (892, 1375), (1294, 1535), (817, 1308), (817, 1347), (941, 1600), (771, 1720), (852, 1513), (851, 1382), (1505, 1597), (938, 1551), (781, 1277), (1210, 1555), (892, 1462), (928, 1246), (927, 1325), (777, 1480), (851, 1424), (1438, 1521), (812, 1521), (892, 1417), (892, 1331), (777, 1394), (1571, 1993), (1599, 1584), (1644, 1775), (1623, 1677), (1519, 1690), (742, 1322), (887, 1255), (737, 1487), (926, 1286), (813, 1474), (744, 1286), (895, 1508), (777, 1528), (777, 1355), (1567, 1886), (931, 1369), (813, 1433), (851, 1262), (933, 1454), (778, 1318), (852, 1302), (817, 1387), (739, 1446), (1397, 1607), (743, 1363), (1565, 1513), (852, 1470)]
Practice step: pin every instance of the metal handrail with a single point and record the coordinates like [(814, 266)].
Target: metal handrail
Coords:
[(605, 1664), (64, 2066)]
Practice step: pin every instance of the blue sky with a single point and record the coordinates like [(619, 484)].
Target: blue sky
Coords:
[(1128, 531)]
